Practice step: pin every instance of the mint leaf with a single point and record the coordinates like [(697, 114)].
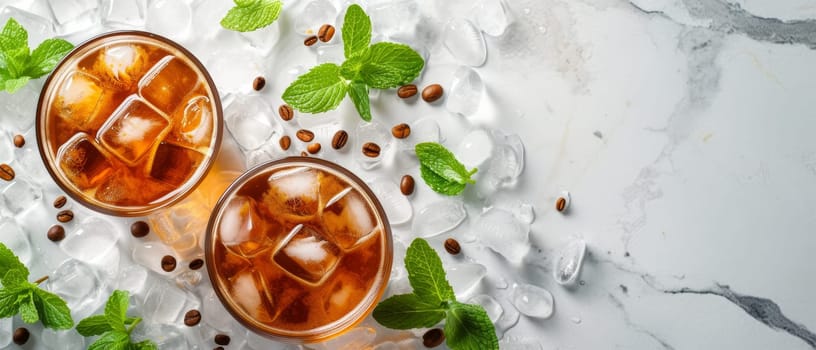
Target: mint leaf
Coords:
[(440, 169), (468, 327), (46, 56), (28, 311), (425, 273), (13, 36), (116, 310), (8, 262), (439, 184), (350, 69), (54, 312), (356, 31), (388, 65), (319, 90), (93, 325), (112, 340), (408, 311), (18, 65), (249, 15), (9, 302), (359, 95), (144, 345)]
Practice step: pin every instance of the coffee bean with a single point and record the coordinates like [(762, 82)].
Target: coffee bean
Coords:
[(325, 33), (304, 154), (407, 91), (560, 204), (401, 130), (20, 336), (313, 148), (305, 135), (286, 112), (65, 216), (432, 93), (258, 83), (6, 172), (139, 229), (285, 142), (56, 233), (339, 140), (433, 338), (19, 141), (60, 201), (310, 40), (168, 263), (192, 318), (196, 264), (218, 348), (371, 149), (452, 246), (222, 339), (407, 185)]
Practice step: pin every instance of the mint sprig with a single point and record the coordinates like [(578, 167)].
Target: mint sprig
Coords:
[(113, 327), (18, 296), (467, 326), (383, 65), (18, 65), (441, 170), (249, 15)]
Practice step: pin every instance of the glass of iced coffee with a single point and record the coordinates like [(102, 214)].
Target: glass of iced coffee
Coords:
[(299, 250), (129, 122)]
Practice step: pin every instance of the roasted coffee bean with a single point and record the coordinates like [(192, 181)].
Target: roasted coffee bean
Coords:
[(139, 229), (313, 148), (305, 135), (339, 140), (310, 40), (19, 141), (60, 201), (432, 93), (65, 216), (20, 336), (192, 318), (196, 264), (407, 91), (401, 130), (222, 339), (258, 83), (407, 185), (304, 154), (371, 149), (6, 172), (325, 33), (433, 338), (56, 233), (560, 204), (286, 112), (168, 263), (285, 142), (452, 246)]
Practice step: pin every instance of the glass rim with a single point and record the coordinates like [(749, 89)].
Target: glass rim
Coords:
[(325, 332), (171, 198)]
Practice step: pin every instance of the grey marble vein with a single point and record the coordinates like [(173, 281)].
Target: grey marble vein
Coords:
[(618, 304)]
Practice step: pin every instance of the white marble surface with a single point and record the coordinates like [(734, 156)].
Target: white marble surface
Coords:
[(682, 128)]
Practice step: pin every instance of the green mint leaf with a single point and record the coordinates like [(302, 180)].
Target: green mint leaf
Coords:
[(53, 311), (359, 95), (425, 273), (93, 325), (350, 69), (356, 31), (440, 169), (111, 340), (10, 301), (388, 65), (13, 85), (249, 15), (439, 184), (46, 56), (319, 90), (468, 327), (28, 311), (13, 36), (144, 345), (116, 310), (408, 311), (8, 262)]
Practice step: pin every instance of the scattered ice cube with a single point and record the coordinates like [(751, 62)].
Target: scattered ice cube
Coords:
[(6, 150), (91, 240), (182, 226), (213, 311), (307, 255), (493, 16), (258, 342), (189, 280), (166, 336), (21, 195), (465, 42), (205, 14), (315, 14), (81, 161), (439, 217), (133, 279), (30, 163), (424, 130), (124, 13), (330, 54), (251, 121), (292, 192), (168, 82), (520, 344), (133, 130), (16, 239), (38, 28), (74, 15), (264, 39), (533, 301), (242, 230), (348, 219), (5, 331), (524, 212), (507, 162), (500, 231), (78, 285), (62, 339), (322, 125), (567, 265), (508, 319), (475, 148), (150, 254), (358, 338), (491, 305), (465, 277), (170, 18), (80, 99), (397, 207), (166, 303), (465, 93), (233, 72), (371, 132), (393, 17)]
